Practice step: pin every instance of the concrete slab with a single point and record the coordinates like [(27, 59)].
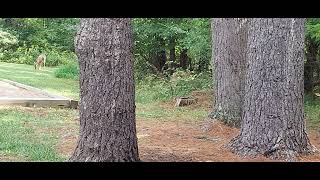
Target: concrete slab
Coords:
[(14, 93)]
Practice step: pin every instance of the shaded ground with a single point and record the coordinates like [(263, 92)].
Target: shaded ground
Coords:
[(184, 140)]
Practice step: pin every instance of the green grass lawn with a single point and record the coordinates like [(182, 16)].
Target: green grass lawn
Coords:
[(32, 134), (44, 79)]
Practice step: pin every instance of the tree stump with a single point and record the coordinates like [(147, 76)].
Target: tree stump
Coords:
[(185, 101), (74, 104)]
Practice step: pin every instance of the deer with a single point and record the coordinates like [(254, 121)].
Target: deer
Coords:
[(40, 62)]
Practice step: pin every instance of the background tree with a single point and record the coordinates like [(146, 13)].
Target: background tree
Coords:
[(164, 45), (312, 65), (7, 40), (229, 50), (107, 96), (273, 112)]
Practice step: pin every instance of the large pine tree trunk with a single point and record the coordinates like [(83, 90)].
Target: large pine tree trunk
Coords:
[(107, 104), (229, 47), (273, 114)]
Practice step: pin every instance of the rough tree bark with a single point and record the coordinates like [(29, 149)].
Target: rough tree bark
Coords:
[(229, 47), (107, 95), (273, 115)]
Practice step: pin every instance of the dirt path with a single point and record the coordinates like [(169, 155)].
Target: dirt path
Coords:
[(7, 158)]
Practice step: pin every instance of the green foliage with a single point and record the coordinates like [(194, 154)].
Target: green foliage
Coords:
[(188, 33), (7, 40), (313, 29), (43, 32), (68, 71), (56, 57), (198, 41), (184, 82), (32, 36)]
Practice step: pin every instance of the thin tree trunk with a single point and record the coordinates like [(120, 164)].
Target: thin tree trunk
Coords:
[(172, 50), (184, 59), (203, 65), (107, 95), (273, 114), (229, 47), (172, 56), (310, 65), (161, 55), (189, 63)]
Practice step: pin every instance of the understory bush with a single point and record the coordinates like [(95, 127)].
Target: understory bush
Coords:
[(68, 71)]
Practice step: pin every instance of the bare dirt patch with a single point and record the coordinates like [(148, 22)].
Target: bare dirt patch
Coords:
[(176, 141), (6, 158)]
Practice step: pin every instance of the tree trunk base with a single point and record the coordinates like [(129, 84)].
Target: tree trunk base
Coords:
[(277, 152), (99, 158), (230, 120)]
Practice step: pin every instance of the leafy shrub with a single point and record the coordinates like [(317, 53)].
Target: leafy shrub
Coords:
[(183, 82), (68, 71), (56, 57), (141, 68), (7, 40), (153, 88)]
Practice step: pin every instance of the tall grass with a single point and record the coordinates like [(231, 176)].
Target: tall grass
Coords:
[(312, 111)]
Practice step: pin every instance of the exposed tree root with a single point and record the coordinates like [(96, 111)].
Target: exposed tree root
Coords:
[(231, 120), (208, 124), (277, 152)]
